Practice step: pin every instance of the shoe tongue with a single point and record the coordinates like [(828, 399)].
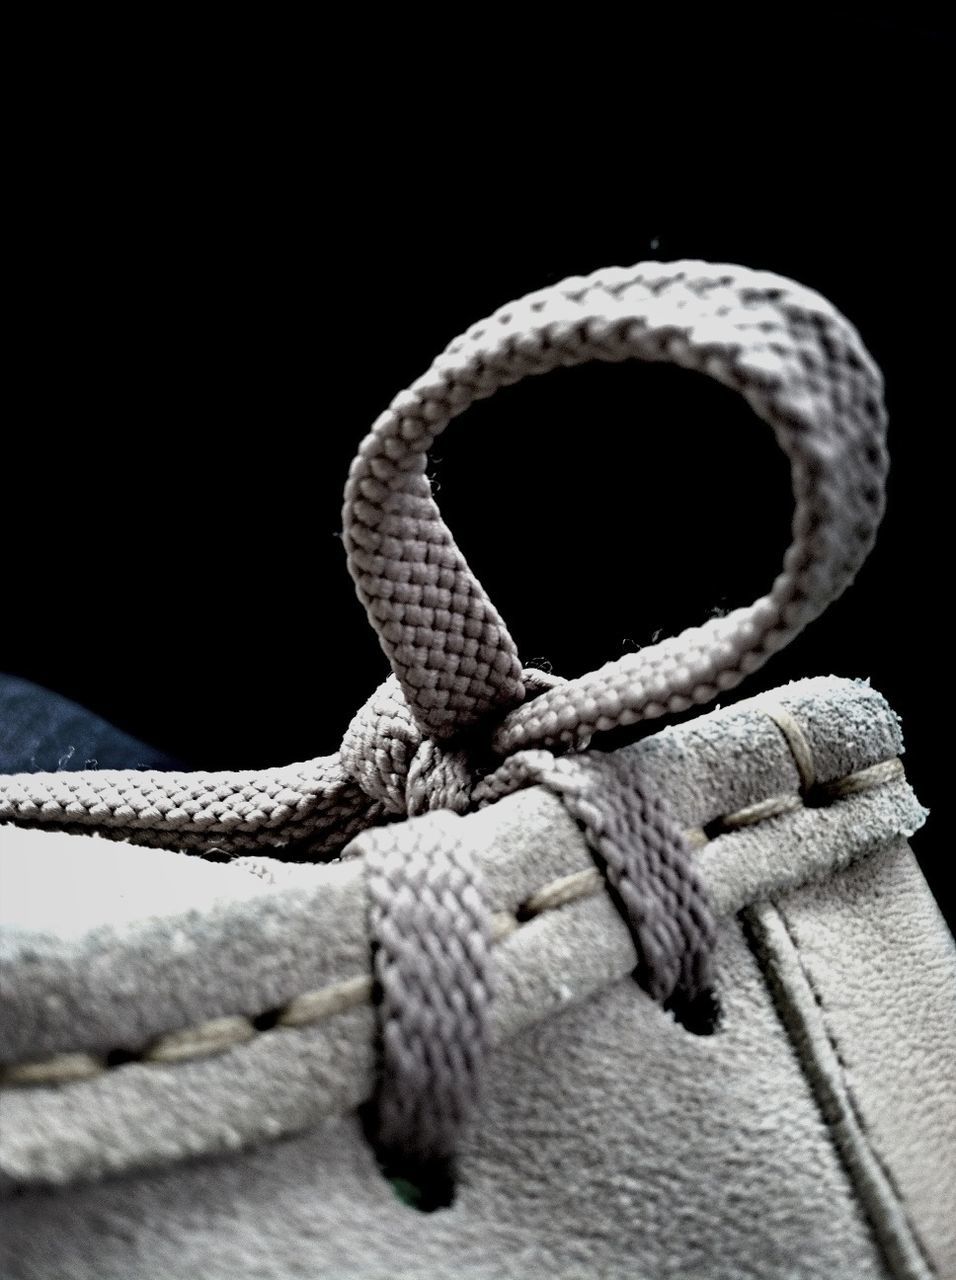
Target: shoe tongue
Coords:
[(68, 885)]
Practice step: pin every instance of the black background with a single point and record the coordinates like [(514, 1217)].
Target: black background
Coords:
[(238, 245)]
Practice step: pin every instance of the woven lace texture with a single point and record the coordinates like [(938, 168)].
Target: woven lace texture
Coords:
[(460, 723)]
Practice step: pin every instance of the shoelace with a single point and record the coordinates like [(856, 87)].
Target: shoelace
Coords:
[(803, 369), (461, 724)]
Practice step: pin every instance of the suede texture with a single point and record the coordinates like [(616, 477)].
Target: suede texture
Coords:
[(245, 947), (854, 939), (609, 1142)]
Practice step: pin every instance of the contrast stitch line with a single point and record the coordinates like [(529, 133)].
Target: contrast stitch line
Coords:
[(797, 741), (219, 1034), (822, 795)]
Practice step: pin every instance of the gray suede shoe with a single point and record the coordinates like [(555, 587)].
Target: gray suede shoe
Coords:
[(473, 997)]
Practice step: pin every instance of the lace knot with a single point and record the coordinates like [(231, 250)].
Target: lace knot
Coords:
[(391, 758)]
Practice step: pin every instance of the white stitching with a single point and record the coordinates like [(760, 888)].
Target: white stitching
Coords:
[(219, 1034)]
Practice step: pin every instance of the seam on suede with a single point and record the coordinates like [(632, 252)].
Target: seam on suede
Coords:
[(219, 1034), (797, 741), (801, 1012)]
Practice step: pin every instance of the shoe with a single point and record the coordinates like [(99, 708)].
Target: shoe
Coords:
[(474, 998)]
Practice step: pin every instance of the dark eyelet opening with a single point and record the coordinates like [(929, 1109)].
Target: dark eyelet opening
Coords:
[(425, 1186), (701, 1017)]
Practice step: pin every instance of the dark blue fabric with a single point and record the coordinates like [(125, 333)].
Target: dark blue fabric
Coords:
[(41, 732)]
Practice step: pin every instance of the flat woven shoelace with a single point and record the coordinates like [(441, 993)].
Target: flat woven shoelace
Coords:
[(802, 368), (460, 723)]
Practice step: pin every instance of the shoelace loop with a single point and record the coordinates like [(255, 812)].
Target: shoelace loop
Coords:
[(803, 369), (460, 724)]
